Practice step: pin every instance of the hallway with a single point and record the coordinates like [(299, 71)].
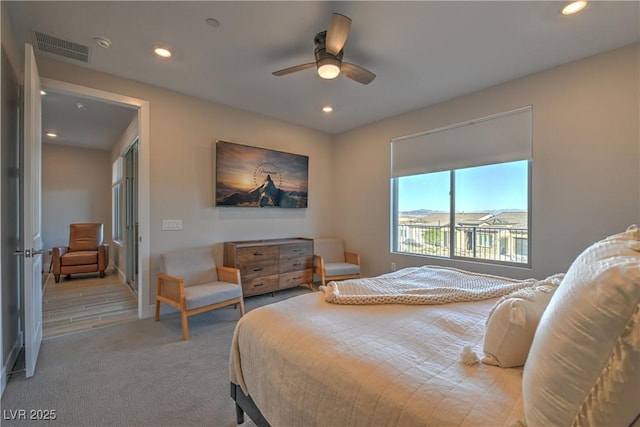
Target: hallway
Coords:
[(85, 302)]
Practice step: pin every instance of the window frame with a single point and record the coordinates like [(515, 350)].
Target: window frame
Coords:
[(451, 244), (116, 211), (117, 202)]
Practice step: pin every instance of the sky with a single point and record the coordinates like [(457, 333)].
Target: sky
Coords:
[(244, 167), (478, 189)]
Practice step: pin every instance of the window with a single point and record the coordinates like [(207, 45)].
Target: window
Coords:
[(475, 208), (117, 195), (490, 209), (116, 214), (522, 247)]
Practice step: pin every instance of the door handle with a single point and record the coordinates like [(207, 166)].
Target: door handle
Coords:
[(28, 253)]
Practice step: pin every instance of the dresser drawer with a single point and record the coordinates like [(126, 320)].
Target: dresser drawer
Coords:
[(255, 254), (295, 264), (257, 269), (296, 250), (295, 278), (270, 264), (260, 285)]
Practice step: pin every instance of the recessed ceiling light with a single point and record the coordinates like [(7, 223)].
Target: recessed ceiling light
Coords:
[(574, 7), (103, 42), (52, 134), (43, 93), (162, 51), (81, 106), (327, 108)]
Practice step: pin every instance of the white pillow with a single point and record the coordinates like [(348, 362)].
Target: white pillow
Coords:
[(513, 321), (584, 364)]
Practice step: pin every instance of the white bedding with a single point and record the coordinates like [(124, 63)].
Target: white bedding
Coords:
[(306, 362), (429, 284)]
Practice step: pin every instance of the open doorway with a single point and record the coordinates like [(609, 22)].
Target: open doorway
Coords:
[(129, 250)]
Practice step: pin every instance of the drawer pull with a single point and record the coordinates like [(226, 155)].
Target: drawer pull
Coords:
[(258, 285), (258, 269), (257, 254)]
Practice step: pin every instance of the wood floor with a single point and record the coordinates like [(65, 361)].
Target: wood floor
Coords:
[(85, 302)]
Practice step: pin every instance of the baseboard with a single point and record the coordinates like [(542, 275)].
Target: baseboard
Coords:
[(121, 275), (11, 361)]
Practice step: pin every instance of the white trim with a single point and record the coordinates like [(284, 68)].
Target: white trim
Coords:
[(144, 213)]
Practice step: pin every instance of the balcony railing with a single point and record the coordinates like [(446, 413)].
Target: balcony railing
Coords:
[(490, 243)]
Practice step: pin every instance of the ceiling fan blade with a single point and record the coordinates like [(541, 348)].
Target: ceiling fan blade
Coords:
[(337, 33), (294, 69), (357, 73)]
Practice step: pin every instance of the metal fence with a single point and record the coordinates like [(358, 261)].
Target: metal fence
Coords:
[(490, 243)]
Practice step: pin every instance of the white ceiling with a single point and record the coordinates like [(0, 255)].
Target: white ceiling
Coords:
[(97, 125), (422, 52)]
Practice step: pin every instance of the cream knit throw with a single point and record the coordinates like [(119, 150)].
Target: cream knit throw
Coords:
[(422, 285)]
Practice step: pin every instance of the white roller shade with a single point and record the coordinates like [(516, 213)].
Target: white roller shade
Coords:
[(495, 139)]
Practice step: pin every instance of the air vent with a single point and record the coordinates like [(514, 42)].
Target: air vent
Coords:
[(61, 47)]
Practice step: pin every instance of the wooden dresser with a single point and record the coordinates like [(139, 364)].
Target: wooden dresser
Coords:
[(272, 264)]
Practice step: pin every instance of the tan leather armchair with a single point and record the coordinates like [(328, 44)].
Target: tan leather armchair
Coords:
[(86, 252)]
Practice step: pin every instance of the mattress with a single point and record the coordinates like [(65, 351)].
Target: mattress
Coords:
[(307, 362)]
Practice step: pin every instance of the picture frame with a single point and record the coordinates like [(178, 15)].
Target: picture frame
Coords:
[(248, 176)]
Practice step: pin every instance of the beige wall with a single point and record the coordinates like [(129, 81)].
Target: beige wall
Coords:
[(586, 152), (585, 185), (182, 170), (76, 187)]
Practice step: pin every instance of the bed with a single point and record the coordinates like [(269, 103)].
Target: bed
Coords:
[(309, 362)]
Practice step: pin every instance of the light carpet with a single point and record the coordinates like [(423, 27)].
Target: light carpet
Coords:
[(138, 373)]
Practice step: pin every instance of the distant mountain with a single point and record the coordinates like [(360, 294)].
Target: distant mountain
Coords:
[(424, 212), (421, 212), (264, 195)]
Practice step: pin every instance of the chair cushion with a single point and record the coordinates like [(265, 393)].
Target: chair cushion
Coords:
[(197, 296), (85, 237), (79, 258), (331, 250), (340, 269), (195, 266), (584, 364)]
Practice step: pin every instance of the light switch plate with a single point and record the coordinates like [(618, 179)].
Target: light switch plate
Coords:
[(171, 224)]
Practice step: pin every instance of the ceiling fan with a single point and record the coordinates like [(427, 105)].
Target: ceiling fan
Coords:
[(329, 54)]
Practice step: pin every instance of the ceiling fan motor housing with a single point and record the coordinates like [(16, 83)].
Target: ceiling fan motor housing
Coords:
[(322, 56)]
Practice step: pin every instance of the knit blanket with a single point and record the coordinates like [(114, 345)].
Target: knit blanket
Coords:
[(422, 285)]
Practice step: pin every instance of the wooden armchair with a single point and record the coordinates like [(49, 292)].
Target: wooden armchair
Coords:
[(331, 262), (192, 283), (86, 252)]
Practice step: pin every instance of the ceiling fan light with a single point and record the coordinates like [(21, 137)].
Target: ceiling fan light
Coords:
[(328, 68)]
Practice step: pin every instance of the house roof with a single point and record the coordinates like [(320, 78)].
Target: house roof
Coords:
[(508, 219)]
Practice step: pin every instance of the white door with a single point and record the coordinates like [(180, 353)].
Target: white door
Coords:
[(31, 226)]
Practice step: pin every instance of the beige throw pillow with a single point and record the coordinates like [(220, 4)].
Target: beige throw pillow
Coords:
[(512, 323)]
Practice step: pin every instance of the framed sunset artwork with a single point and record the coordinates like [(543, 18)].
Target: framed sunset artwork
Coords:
[(249, 176)]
